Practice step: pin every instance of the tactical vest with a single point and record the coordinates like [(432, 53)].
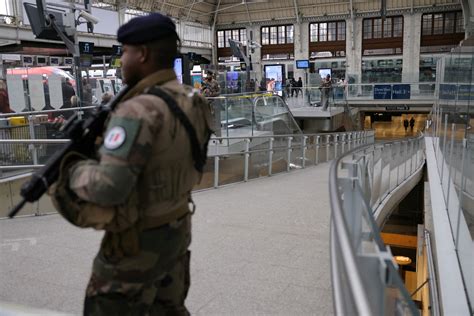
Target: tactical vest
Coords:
[(164, 187)]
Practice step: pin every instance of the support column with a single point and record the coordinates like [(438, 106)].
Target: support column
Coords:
[(301, 40), (257, 54), (468, 12), (122, 7), (411, 47), (354, 50)]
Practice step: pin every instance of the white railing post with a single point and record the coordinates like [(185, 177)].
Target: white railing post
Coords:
[(216, 171), (270, 156), (289, 150), (343, 141), (31, 147), (316, 155), (443, 159), (450, 163), (336, 139), (246, 160), (327, 147), (303, 163)]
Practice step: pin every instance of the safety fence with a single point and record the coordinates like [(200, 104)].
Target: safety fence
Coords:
[(364, 274), (451, 137), (239, 159)]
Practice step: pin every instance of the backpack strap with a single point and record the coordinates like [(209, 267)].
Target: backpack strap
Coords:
[(199, 153)]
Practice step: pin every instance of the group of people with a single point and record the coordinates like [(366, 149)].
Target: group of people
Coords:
[(410, 123), (293, 88)]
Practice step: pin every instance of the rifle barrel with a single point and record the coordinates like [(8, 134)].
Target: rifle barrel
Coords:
[(17, 208)]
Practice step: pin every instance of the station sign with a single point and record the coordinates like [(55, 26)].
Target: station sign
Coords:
[(397, 108), (401, 92), (466, 92), (382, 92), (86, 48), (448, 91)]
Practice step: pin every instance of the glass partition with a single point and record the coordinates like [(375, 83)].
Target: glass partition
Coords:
[(453, 140)]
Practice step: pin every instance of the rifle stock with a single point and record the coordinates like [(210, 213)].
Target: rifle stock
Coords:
[(83, 135)]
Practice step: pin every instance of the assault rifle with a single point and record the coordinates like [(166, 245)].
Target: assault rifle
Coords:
[(83, 135)]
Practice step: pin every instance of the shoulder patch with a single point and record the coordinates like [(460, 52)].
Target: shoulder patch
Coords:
[(120, 136), (115, 137)]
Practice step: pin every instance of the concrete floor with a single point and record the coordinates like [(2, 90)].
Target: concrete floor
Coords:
[(260, 247)]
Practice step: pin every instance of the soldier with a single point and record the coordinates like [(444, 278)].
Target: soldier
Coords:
[(211, 88), (139, 188)]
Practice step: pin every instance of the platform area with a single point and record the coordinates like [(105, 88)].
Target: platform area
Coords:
[(260, 247)]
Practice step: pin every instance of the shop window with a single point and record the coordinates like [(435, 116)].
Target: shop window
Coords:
[(290, 34), (313, 32), (265, 36), (277, 42), (327, 39), (442, 23), (220, 39), (383, 70), (441, 31), (223, 37), (382, 36)]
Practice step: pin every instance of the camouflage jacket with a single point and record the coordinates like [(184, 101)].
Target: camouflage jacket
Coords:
[(210, 89), (145, 171)]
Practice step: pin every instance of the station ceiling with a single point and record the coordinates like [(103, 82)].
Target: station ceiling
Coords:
[(228, 12)]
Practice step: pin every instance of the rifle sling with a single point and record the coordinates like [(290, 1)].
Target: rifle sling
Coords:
[(199, 156)]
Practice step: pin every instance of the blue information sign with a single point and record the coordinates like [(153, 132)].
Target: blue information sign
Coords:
[(382, 92), (466, 92), (401, 91), (447, 91)]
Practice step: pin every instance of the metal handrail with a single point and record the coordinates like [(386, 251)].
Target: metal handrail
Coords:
[(27, 113), (432, 283), (340, 237)]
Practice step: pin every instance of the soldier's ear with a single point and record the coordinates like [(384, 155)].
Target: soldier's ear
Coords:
[(144, 53)]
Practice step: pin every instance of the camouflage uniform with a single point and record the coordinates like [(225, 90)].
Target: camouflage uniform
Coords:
[(211, 88), (138, 192)]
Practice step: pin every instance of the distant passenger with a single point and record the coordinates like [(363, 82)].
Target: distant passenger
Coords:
[(299, 87), (405, 124), (106, 97), (326, 89), (68, 93), (412, 123), (4, 102)]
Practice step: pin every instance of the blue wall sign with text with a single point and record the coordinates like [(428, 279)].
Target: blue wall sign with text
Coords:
[(466, 92), (401, 91), (382, 92), (447, 91)]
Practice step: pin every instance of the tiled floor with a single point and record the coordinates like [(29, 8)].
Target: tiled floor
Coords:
[(258, 248)]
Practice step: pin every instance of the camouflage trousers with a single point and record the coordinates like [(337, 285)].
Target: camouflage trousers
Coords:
[(153, 282)]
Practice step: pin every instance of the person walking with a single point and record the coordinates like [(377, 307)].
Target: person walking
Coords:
[(405, 124), (139, 189), (412, 123), (326, 89), (299, 85), (211, 89)]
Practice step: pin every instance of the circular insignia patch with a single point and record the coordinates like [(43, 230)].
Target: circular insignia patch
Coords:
[(115, 137)]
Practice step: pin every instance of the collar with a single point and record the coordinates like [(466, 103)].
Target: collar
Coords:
[(157, 78)]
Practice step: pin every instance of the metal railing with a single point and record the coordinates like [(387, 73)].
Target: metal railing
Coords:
[(364, 274), (240, 159), (452, 138), (311, 95)]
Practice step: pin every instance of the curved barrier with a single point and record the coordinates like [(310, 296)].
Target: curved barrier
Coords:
[(364, 274)]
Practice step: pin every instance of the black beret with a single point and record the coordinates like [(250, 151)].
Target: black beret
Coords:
[(147, 28)]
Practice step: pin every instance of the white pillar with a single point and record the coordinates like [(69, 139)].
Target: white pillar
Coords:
[(257, 54), (354, 49), (411, 47), (122, 8), (301, 41)]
